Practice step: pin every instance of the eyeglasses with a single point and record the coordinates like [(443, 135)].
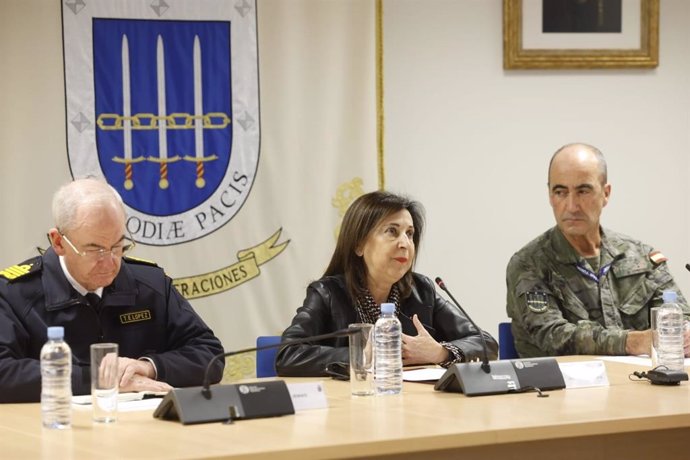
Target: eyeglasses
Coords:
[(118, 250)]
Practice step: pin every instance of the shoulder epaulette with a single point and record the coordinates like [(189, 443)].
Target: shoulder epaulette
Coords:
[(22, 270), (136, 260), (657, 257)]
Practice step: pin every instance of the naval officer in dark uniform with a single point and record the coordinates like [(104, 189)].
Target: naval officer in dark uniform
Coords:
[(85, 283)]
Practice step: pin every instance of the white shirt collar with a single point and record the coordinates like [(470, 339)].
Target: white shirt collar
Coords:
[(78, 287)]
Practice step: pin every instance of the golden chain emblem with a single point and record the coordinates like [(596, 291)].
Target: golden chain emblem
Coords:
[(149, 121), (15, 271), (143, 121)]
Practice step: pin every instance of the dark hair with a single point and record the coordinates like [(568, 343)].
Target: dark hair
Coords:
[(363, 215)]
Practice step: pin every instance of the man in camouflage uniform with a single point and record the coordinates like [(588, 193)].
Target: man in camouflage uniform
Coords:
[(579, 288)]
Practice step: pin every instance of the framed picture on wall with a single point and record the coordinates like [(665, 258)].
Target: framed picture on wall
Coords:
[(580, 34)]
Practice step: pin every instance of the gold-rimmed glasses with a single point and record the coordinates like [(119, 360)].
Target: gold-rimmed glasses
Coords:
[(97, 254)]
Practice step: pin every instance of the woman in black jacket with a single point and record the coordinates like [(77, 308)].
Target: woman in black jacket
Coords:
[(372, 264)]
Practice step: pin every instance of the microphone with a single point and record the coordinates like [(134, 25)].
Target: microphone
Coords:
[(687, 266), (486, 367), (503, 376), (235, 401), (206, 389)]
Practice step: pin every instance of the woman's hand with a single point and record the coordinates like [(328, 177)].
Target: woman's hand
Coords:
[(422, 348)]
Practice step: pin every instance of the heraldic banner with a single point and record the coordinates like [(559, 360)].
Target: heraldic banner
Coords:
[(236, 133)]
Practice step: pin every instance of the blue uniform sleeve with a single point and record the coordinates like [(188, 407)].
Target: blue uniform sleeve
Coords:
[(190, 345), (20, 374)]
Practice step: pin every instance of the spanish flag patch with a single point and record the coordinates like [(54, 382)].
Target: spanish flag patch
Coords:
[(657, 257)]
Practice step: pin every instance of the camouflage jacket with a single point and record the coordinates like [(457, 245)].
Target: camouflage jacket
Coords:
[(560, 306)]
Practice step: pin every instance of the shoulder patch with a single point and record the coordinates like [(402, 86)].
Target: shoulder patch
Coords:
[(21, 270), (657, 257), (136, 260), (537, 301)]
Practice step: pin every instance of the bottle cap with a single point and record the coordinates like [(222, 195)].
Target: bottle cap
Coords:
[(56, 332), (670, 296), (388, 308)]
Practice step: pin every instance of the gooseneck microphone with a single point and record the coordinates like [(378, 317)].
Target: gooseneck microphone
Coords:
[(235, 401), (486, 367), (502, 376), (687, 266), (206, 384)]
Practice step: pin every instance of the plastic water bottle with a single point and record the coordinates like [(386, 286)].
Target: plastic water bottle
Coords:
[(667, 349), (56, 380), (388, 352)]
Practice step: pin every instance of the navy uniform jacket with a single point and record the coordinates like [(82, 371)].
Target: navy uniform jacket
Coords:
[(141, 311), (328, 308)]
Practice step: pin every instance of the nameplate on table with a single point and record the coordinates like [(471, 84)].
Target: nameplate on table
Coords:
[(308, 395), (584, 374)]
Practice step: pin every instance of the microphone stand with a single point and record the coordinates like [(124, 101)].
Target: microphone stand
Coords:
[(486, 367), (206, 389), (504, 376), (235, 401)]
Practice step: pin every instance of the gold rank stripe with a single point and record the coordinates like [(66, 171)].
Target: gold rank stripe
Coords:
[(15, 271), (657, 257)]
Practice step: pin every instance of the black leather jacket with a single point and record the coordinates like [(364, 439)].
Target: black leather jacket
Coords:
[(328, 308)]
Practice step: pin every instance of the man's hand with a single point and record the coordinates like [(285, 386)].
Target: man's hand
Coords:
[(141, 383), (128, 369), (422, 348), (132, 374), (686, 339), (639, 343)]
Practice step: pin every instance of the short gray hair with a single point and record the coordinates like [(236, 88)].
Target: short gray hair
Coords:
[(82, 193), (603, 172)]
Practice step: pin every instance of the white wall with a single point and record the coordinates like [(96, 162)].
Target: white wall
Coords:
[(32, 123), (472, 141)]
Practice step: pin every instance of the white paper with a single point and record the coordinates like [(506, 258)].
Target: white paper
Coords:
[(308, 395), (139, 405), (126, 402), (584, 374), (431, 374)]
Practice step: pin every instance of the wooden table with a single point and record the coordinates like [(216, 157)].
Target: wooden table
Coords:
[(624, 420)]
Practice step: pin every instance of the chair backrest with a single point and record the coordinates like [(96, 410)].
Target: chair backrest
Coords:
[(506, 344), (266, 359)]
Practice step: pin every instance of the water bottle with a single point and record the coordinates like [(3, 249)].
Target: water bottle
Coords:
[(667, 330), (56, 380), (388, 352)]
